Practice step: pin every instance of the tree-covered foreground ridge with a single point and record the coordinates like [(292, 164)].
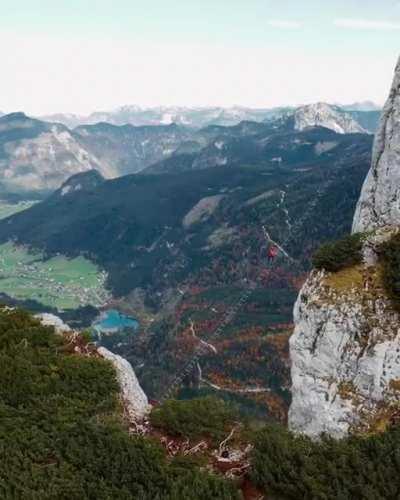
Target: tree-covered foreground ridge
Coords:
[(63, 436), (61, 431)]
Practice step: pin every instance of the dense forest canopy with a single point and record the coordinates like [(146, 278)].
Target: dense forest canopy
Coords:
[(61, 436), (355, 468)]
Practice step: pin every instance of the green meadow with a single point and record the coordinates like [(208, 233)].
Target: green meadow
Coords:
[(57, 282)]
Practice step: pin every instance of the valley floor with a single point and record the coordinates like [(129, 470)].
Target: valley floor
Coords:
[(58, 282)]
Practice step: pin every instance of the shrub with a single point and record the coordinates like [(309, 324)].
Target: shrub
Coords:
[(354, 468), (389, 253), (86, 336), (201, 417), (340, 254)]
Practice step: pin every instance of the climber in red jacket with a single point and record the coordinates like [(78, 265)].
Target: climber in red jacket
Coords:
[(272, 253)]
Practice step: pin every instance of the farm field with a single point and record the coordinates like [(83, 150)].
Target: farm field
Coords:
[(57, 282)]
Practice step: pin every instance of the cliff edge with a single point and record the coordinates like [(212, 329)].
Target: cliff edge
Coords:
[(379, 203), (345, 350)]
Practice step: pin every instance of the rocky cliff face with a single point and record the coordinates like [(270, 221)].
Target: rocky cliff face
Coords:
[(345, 349), (345, 352), (135, 400), (379, 202)]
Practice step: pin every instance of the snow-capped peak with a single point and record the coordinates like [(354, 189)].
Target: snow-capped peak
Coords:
[(325, 115)]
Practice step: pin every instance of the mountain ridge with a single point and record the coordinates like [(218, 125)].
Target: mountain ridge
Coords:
[(38, 156), (197, 117)]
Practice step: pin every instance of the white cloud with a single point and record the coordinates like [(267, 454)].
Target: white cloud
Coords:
[(284, 24), (367, 24)]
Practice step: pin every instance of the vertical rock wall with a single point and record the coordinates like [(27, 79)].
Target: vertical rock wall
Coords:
[(345, 350)]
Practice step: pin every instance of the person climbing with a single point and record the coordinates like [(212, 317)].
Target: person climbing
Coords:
[(272, 253)]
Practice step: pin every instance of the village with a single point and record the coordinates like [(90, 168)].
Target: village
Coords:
[(58, 282)]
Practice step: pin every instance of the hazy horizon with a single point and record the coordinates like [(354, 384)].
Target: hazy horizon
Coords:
[(162, 106)]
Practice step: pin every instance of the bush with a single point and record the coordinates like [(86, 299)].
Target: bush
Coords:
[(87, 336), (389, 253), (201, 417), (354, 468), (340, 254)]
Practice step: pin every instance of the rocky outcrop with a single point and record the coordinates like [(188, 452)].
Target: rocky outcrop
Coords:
[(345, 350), (57, 323), (135, 400), (379, 203), (345, 354), (202, 210)]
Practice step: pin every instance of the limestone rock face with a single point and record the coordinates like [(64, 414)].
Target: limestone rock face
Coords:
[(345, 350), (345, 354), (379, 203), (135, 400)]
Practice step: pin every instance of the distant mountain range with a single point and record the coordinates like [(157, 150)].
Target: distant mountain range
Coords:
[(361, 106), (164, 115), (37, 156), (188, 116)]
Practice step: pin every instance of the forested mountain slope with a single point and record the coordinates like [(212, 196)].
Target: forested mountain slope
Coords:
[(133, 224), (129, 149), (266, 144), (179, 249)]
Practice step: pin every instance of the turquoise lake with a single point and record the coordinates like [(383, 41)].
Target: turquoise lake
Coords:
[(113, 321)]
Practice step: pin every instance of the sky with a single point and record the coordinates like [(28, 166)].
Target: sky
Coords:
[(78, 56)]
